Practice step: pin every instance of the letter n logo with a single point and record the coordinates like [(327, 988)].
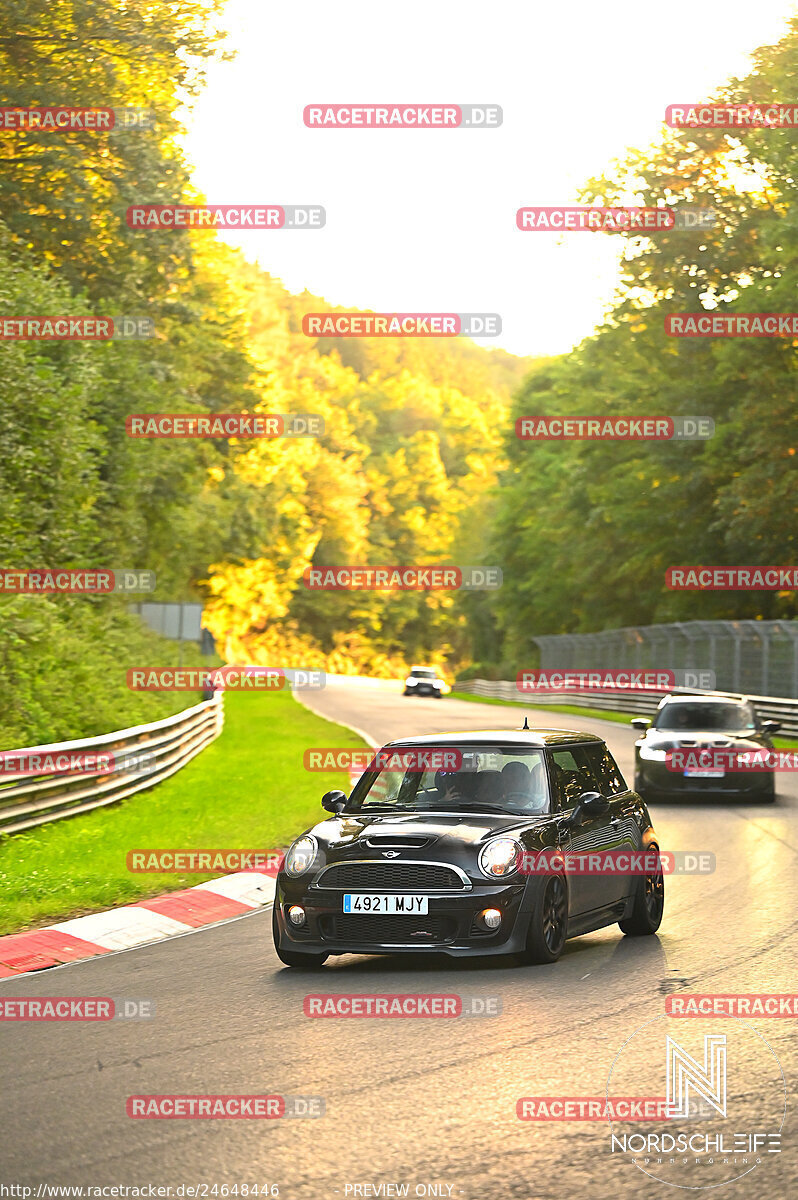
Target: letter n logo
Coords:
[(685, 1074)]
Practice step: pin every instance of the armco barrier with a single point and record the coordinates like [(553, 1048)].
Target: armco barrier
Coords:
[(27, 801), (641, 704)]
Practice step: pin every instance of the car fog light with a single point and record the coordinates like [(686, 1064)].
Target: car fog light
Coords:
[(296, 915), (491, 918)]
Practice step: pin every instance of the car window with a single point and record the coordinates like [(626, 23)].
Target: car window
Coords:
[(610, 780), (572, 774), (490, 778), (714, 716)]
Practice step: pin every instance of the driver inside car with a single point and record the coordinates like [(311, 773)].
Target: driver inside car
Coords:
[(453, 786), (524, 788)]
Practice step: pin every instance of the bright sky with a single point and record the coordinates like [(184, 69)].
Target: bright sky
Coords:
[(424, 220)]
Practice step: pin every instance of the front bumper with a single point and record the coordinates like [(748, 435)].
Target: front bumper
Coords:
[(449, 927), (655, 779)]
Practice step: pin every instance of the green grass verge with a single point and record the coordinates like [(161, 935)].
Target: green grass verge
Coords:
[(248, 789), (593, 713)]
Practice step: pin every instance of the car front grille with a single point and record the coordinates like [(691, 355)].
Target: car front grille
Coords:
[(391, 877), (387, 930)]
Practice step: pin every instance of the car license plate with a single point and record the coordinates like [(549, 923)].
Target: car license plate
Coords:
[(696, 773), (360, 902)]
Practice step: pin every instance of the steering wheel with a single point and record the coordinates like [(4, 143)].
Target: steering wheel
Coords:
[(531, 801)]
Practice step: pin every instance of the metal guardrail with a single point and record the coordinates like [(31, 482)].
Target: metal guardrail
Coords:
[(755, 657), (143, 756), (642, 704)]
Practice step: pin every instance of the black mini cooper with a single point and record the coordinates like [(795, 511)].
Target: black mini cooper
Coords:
[(465, 844)]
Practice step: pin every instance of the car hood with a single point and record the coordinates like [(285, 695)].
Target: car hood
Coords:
[(371, 831), (667, 739)]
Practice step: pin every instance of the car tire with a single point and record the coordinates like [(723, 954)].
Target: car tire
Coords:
[(648, 907), (548, 925), (768, 793), (293, 958)]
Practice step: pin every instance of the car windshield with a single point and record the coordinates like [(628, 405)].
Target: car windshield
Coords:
[(489, 779), (423, 674), (714, 716)]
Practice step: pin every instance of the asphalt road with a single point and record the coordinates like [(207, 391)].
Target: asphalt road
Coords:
[(423, 1103)]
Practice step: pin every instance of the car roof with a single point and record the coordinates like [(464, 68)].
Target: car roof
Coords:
[(499, 737), (696, 698)]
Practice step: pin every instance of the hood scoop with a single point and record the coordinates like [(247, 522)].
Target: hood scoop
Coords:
[(396, 841)]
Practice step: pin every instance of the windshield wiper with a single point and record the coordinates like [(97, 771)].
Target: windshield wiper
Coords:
[(509, 812), (388, 807)]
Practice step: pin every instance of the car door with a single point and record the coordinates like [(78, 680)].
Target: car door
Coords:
[(624, 829), (573, 774)]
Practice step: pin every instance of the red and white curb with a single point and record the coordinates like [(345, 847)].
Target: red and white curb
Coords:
[(149, 920), (138, 924)]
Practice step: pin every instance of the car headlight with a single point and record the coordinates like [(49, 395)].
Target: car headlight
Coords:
[(301, 856), (499, 857), (652, 754)]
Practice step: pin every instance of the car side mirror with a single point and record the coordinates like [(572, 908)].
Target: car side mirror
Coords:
[(771, 726), (589, 804), (593, 804), (333, 801), (640, 722)]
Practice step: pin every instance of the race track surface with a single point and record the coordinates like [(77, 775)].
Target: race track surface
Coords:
[(415, 1102)]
